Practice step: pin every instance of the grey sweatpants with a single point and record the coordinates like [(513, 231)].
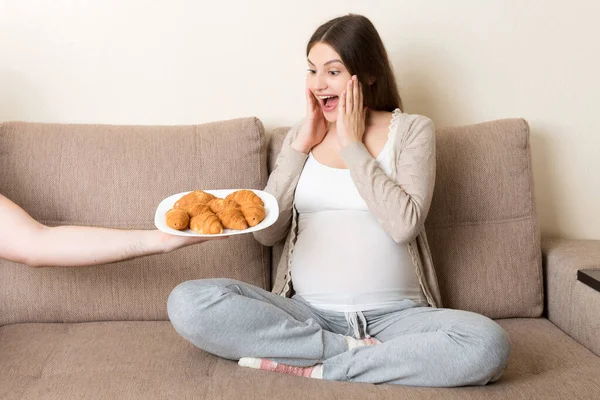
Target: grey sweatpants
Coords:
[(422, 346)]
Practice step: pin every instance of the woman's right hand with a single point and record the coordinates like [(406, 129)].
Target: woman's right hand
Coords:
[(314, 128)]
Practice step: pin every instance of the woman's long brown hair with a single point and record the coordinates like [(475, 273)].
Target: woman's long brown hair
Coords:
[(362, 51)]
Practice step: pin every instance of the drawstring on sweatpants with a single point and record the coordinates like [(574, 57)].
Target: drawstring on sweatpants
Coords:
[(354, 325)]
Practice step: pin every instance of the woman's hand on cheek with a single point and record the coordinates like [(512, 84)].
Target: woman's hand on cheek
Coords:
[(314, 128), (351, 114)]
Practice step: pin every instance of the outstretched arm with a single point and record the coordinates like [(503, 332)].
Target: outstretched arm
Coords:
[(24, 240)]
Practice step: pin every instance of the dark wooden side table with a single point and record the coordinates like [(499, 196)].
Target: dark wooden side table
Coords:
[(590, 277)]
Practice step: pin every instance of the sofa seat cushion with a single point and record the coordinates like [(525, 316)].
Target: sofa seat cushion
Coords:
[(148, 360)]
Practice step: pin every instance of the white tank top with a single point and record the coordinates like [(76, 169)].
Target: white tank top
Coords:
[(343, 260)]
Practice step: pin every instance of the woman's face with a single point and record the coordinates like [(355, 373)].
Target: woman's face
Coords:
[(326, 78)]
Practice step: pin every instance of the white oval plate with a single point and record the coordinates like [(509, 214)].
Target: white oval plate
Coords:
[(271, 207)]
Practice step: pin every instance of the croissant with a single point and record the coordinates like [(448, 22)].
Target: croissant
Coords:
[(217, 205), (206, 223), (177, 219), (232, 218), (254, 213), (197, 209), (195, 197), (245, 196)]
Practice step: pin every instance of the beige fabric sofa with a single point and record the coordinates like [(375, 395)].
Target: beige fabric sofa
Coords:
[(102, 332)]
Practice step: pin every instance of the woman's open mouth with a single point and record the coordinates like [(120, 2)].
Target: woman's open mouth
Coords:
[(329, 102)]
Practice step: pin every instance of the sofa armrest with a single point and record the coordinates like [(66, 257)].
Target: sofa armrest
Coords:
[(571, 305)]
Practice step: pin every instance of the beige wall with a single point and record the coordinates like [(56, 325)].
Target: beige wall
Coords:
[(457, 61)]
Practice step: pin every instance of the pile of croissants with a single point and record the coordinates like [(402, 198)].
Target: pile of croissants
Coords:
[(207, 214)]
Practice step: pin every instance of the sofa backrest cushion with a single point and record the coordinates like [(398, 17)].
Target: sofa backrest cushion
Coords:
[(115, 176), (482, 227)]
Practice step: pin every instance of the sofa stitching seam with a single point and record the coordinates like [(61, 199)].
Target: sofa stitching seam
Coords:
[(262, 158), (537, 254), (468, 223)]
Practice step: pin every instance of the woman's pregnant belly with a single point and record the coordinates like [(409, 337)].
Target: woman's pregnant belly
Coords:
[(345, 257)]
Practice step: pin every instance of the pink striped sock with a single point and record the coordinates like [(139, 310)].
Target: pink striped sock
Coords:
[(316, 371)]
